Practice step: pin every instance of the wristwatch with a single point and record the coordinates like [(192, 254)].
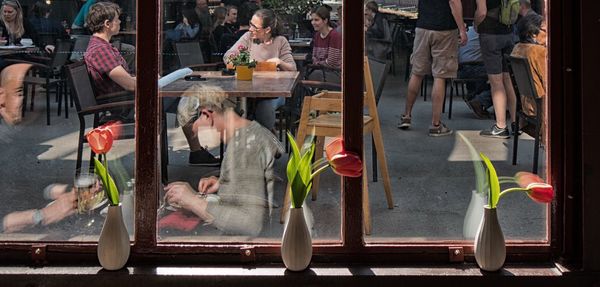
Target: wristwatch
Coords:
[(37, 217)]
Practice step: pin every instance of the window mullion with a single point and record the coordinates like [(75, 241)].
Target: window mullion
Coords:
[(147, 107), (352, 85)]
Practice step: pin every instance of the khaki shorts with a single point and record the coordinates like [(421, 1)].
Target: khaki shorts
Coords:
[(435, 53)]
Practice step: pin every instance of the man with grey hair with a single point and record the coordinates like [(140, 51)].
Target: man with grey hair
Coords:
[(244, 188)]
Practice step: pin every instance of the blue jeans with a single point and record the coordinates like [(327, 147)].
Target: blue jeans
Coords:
[(264, 113)]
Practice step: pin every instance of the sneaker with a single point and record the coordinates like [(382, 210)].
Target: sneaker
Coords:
[(440, 130), (513, 129), (404, 122), (495, 132), (203, 158), (477, 109)]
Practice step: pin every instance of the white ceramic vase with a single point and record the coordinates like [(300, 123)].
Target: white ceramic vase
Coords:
[(490, 248), (296, 245), (113, 245), (473, 215)]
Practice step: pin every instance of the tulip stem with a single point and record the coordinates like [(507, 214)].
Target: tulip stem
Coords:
[(319, 170), (512, 190), (318, 162)]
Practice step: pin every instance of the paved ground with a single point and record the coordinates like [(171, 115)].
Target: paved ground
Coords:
[(432, 178)]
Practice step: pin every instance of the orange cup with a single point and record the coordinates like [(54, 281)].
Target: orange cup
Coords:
[(266, 67)]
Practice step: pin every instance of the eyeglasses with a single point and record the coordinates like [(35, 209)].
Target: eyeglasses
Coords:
[(12, 3), (254, 27)]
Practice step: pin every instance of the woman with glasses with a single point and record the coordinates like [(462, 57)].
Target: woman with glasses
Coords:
[(14, 27), (265, 43)]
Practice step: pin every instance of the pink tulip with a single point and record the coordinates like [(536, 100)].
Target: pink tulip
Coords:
[(343, 162)]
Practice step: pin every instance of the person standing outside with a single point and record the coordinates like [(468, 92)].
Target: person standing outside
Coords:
[(435, 52), (496, 40)]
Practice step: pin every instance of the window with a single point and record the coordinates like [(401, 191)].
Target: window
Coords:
[(148, 161)]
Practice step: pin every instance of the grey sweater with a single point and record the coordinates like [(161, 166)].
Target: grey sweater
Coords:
[(246, 181)]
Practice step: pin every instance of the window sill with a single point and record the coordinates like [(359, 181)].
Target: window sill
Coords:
[(318, 275)]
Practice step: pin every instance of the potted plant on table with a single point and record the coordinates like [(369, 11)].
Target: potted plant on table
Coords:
[(296, 246), (490, 248), (244, 65), (113, 244)]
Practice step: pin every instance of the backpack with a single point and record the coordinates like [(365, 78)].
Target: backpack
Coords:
[(509, 11)]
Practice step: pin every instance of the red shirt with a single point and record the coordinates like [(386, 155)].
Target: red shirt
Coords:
[(101, 58), (328, 51)]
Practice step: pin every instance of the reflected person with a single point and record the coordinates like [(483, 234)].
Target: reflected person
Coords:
[(245, 185)]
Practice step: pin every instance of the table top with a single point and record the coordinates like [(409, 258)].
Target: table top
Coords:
[(6, 51), (263, 85), (127, 32), (300, 42), (399, 12)]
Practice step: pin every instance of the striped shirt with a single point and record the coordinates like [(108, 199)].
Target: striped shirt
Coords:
[(328, 51), (101, 58)]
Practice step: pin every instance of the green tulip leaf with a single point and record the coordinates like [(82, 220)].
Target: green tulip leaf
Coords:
[(108, 182), (493, 182)]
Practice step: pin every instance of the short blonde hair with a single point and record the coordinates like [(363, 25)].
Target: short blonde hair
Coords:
[(201, 97)]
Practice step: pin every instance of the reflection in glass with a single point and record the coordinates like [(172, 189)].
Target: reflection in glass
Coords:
[(40, 197)]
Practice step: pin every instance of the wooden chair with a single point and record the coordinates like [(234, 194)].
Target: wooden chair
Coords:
[(328, 123), (524, 86)]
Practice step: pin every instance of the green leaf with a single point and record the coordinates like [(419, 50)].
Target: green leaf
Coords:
[(493, 180), (297, 189), (110, 187), (292, 166)]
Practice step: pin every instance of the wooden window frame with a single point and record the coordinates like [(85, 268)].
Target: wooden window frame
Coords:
[(566, 163)]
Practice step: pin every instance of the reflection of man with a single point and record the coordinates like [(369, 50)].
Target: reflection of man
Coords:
[(231, 20), (204, 17), (245, 185)]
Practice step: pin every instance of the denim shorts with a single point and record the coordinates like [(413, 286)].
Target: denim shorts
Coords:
[(493, 49)]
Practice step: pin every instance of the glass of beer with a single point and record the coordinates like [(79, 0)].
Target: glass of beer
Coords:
[(89, 193)]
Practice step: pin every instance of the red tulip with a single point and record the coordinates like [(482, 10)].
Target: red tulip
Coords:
[(343, 162), (537, 189), (100, 140)]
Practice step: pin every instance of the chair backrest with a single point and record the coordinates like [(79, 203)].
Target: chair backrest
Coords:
[(62, 53), (81, 44), (379, 71), (523, 77), (47, 38), (81, 86), (189, 53)]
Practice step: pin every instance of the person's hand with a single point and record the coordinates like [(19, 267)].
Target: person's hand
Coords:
[(64, 206), (49, 48), (275, 60), (208, 185), (463, 37), (186, 22), (180, 194)]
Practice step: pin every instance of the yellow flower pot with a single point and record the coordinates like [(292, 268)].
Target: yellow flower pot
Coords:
[(244, 73)]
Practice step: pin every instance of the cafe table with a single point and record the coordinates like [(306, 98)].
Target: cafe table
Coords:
[(15, 50), (263, 85)]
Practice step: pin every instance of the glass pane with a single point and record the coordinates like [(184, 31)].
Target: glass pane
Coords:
[(212, 113), (431, 171), (40, 129)]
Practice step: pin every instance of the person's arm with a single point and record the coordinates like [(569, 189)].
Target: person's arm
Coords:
[(480, 12), (285, 62), (182, 194), (123, 78), (457, 13), (334, 51), (190, 31), (244, 41)]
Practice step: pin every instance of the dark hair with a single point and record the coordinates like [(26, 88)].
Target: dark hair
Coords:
[(99, 13), (269, 19), (191, 15), (40, 9), (372, 5), (245, 12), (324, 13), (528, 27)]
